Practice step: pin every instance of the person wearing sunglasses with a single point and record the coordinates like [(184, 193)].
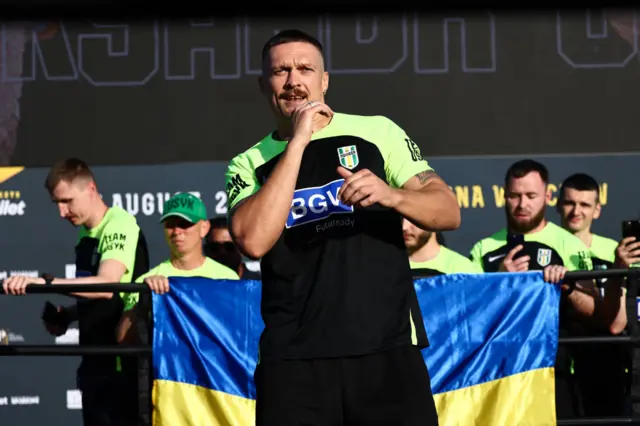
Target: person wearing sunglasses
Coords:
[(185, 225), (220, 247)]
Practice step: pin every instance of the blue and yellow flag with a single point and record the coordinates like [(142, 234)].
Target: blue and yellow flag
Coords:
[(493, 345)]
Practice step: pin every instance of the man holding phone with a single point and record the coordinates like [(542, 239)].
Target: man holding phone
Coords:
[(530, 242), (597, 367)]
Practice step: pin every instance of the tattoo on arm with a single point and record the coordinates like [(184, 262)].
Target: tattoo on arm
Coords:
[(426, 176)]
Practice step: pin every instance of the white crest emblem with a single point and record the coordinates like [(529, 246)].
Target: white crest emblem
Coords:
[(348, 156), (544, 257)]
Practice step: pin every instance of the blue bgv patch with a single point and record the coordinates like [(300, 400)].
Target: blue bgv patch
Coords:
[(317, 203)]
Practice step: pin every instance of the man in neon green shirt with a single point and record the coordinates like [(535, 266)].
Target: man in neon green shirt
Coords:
[(428, 257), (602, 371), (185, 225)]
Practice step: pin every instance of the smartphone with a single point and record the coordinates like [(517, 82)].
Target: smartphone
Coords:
[(514, 240), (631, 228)]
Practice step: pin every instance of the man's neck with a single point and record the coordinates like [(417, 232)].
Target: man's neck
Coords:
[(188, 261), (585, 235), (241, 269), (425, 253), (97, 216)]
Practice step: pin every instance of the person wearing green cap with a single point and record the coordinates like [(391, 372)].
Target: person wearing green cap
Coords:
[(185, 224)]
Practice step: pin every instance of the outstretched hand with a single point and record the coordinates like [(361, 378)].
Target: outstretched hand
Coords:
[(364, 188)]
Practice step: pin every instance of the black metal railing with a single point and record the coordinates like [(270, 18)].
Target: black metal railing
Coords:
[(144, 350)]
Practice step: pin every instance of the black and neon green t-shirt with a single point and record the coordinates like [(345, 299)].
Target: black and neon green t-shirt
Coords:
[(550, 246), (603, 252), (117, 237), (209, 269), (446, 262), (337, 282)]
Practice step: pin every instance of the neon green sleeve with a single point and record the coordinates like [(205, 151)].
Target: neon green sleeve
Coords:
[(576, 255), (118, 242), (403, 157), (476, 256), (240, 180), (228, 274)]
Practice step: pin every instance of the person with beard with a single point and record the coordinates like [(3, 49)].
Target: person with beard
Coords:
[(597, 366), (530, 242), (428, 255), (220, 247), (320, 201)]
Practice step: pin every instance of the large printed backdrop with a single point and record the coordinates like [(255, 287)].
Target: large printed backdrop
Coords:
[(144, 93), (36, 240)]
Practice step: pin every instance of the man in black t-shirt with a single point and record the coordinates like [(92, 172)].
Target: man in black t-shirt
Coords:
[(110, 249), (320, 201)]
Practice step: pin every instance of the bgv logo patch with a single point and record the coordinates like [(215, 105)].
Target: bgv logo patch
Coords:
[(317, 203)]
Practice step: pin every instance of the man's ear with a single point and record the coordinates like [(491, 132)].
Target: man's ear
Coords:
[(204, 228), (597, 211)]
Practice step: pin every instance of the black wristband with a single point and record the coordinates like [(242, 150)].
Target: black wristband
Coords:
[(48, 278)]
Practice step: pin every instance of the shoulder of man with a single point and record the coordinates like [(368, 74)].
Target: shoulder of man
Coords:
[(459, 263), (374, 127), (490, 243), (153, 271), (122, 217), (571, 249), (218, 271), (603, 248)]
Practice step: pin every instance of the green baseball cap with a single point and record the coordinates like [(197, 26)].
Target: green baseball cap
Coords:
[(185, 205)]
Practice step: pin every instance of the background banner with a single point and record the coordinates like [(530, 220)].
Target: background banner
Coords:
[(121, 92), (36, 240)]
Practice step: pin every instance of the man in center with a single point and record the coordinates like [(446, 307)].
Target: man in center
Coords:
[(320, 201)]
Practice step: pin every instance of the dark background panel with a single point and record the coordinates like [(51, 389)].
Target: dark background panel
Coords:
[(39, 241), (460, 84)]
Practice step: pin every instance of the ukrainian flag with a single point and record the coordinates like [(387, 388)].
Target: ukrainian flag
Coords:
[(493, 345)]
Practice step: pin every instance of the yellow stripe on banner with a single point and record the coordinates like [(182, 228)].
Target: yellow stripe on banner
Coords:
[(181, 404), (525, 399)]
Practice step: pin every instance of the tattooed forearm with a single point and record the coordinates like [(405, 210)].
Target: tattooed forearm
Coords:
[(426, 176)]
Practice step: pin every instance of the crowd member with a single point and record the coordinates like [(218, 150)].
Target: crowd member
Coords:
[(320, 201), (428, 255), (530, 242), (220, 247), (602, 371), (578, 206), (185, 225), (110, 249)]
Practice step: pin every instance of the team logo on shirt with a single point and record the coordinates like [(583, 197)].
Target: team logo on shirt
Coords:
[(414, 149), (544, 257), (348, 156), (317, 203)]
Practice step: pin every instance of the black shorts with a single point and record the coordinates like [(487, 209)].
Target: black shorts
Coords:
[(386, 388)]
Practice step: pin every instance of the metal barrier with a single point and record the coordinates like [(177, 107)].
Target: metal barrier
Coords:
[(144, 351)]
